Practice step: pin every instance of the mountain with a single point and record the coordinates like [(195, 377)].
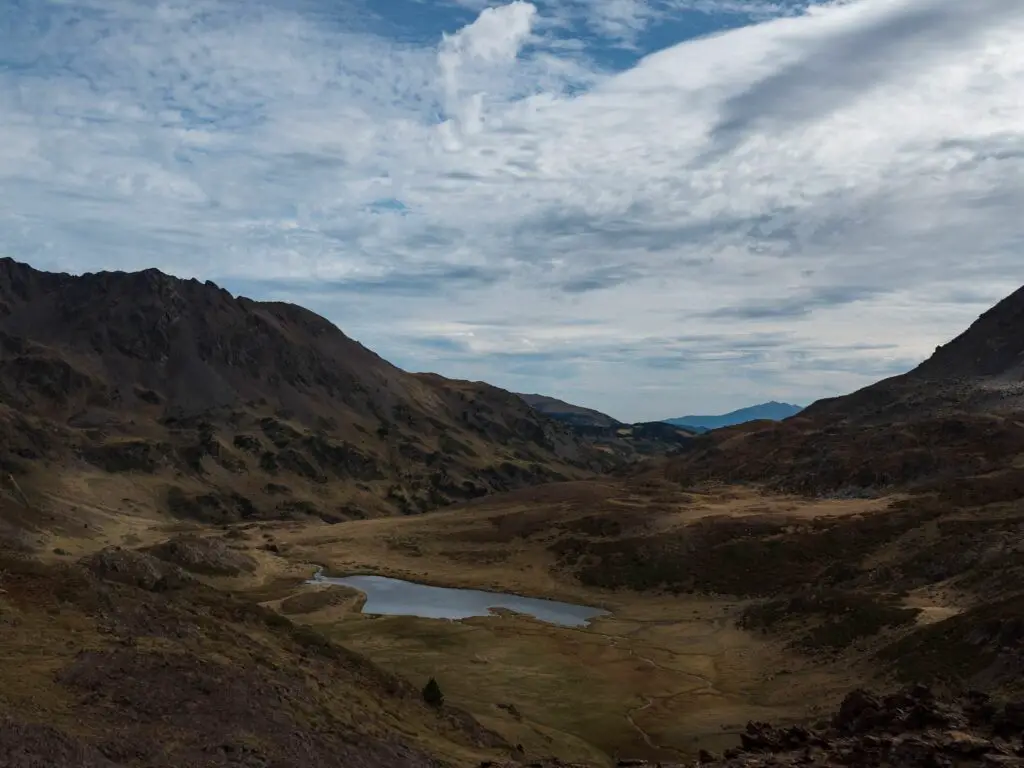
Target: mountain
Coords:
[(954, 422), (229, 408), (627, 442), (567, 412), (772, 411)]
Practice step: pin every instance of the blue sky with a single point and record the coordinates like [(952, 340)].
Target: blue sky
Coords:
[(651, 207)]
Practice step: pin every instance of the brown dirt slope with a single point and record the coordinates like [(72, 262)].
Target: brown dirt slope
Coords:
[(246, 409), (104, 665)]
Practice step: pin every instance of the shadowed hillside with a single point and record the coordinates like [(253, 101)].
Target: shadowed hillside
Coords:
[(246, 409), (569, 413), (626, 441)]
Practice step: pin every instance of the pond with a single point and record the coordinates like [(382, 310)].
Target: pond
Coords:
[(394, 597)]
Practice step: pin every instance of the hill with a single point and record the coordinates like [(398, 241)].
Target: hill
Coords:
[(229, 408), (567, 412), (953, 422), (772, 411), (124, 659), (627, 442)]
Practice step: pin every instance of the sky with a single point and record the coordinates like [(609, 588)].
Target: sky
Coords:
[(648, 207)]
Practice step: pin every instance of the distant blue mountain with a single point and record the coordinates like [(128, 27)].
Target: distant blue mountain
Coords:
[(773, 410)]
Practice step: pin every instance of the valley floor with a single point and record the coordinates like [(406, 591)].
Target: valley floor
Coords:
[(661, 677), (664, 675), (683, 660)]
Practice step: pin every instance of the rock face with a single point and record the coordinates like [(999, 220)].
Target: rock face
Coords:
[(207, 556), (147, 374)]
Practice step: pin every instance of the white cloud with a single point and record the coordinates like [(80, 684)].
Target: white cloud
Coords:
[(472, 58), (786, 210)]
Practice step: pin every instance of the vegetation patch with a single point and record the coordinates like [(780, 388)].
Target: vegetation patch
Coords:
[(982, 647), (313, 600), (837, 619), (129, 456), (211, 557), (742, 557)]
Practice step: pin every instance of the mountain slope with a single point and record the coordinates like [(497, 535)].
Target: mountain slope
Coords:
[(773, 411), (237, 408), (124, 660), (955, 421), (628, 442), (569, 413), (980, 371)]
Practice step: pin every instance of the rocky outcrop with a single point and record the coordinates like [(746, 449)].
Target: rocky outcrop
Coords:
[(206, 556), (912, 728), (909, 728), (136, 569)]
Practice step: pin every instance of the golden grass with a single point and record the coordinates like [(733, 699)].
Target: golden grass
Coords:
[(663, 676)]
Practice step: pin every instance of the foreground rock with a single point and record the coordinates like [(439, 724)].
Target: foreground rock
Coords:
[(136, 569), (910, 728)]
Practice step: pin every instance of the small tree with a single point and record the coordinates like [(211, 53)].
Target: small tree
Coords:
[(432, 693)]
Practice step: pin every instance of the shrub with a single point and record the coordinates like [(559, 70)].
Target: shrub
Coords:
[(432, 693)]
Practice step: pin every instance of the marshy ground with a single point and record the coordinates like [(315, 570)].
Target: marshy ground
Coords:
[(664, 673)]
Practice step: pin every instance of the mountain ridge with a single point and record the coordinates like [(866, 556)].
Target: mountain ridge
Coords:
[(576, 415), (772, 410), (168, 378), (630, 441)]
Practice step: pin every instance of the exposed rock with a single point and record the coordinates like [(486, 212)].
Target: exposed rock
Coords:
[(137, 569), (204, 555), (165, 376), (911, 728)]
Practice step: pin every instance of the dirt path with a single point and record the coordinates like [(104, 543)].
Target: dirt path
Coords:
[(649, 701)]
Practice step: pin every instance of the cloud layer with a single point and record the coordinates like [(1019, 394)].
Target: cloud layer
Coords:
[(532, 195)]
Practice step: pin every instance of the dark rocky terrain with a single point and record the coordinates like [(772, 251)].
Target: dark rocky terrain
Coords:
[(570, 414), (910, 727), (244, 409)]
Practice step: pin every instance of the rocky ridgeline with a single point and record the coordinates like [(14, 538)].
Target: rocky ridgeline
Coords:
[(913, 727)]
